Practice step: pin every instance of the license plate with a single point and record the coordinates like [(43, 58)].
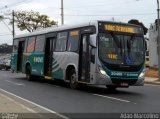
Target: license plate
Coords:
[(124, 84)]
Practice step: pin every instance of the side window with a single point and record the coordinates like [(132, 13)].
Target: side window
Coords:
[(15, 45), (31, 43), (61, 41), (73, 41), (39, 46)]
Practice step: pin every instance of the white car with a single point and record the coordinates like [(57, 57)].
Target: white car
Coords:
[(2, 65)]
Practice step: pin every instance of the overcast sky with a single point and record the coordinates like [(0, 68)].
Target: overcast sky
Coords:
[(81, 10)]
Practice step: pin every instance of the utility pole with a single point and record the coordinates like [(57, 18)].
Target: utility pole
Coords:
[(13, 28), (158, 38), (62, 13)]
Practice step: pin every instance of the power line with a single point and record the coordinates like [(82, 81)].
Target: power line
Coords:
[(103, 4), (88, 15), (6, 25), (14, 4), (5, 43), (5, 34)]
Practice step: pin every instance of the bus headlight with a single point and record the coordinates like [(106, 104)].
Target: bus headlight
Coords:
[(142, 74), (102, 72)]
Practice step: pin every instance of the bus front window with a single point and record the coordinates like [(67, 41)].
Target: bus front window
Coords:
[(121, 49)]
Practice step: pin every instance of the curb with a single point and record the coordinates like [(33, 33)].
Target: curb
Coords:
[(151, 82)]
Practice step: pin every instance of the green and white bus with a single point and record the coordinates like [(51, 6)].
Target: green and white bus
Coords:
[(94, 53)]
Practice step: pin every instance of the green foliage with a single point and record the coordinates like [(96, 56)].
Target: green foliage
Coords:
[(136, 22), (1, 17), (32, 20)]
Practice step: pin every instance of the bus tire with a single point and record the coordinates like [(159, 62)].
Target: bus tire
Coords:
[(28, 73), (72, 79), (111, 88), (12, 70)]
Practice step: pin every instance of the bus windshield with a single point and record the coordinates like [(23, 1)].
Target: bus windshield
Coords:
[(121, 49)]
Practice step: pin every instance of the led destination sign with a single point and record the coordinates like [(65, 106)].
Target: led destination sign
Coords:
[(119, 28)]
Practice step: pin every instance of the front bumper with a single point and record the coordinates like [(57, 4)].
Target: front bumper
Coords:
[(106, 80)]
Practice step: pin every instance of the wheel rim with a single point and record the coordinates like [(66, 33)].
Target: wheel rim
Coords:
[(73, 81)]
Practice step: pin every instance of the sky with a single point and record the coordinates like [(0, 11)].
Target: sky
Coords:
[(76, 11)]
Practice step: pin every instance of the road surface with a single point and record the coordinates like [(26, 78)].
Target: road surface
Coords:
[(57, 96)]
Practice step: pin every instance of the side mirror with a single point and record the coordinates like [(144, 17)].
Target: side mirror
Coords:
[(93, 40)]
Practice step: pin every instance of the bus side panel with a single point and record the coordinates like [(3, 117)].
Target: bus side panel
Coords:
[(37, 64), (14, 62), (36, 61), (60, 62)]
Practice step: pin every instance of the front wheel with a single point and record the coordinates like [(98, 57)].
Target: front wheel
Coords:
[(111, 88), (73, 79)]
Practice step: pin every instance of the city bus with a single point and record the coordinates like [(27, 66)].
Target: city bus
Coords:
[(93, 53)]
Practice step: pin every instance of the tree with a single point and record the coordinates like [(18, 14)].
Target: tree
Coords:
[(1, 17), (136, 22), (30, 20)]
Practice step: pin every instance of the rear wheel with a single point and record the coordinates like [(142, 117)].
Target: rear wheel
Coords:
[(28, 73), (73, 79), (12, 70)]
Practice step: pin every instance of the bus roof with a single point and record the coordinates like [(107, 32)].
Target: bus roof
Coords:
[(65, 27)]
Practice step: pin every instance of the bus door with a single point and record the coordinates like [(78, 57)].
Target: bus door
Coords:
[(21, 46), (84, 61), (48, 56)]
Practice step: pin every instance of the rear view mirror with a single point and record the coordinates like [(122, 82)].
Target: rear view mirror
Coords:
[(93, 40)]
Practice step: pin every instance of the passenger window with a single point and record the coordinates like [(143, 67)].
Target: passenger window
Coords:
[(40, 41), (61, 41), (31, 44), (73, 41)]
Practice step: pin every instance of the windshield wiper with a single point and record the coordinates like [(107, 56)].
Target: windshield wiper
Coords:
[(119, 45), (129, 43), (117, 41)]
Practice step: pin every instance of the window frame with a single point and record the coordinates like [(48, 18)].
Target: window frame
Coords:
[(79, 38), (67, 31)]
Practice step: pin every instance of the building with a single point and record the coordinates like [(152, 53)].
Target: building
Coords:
[(153, 47)]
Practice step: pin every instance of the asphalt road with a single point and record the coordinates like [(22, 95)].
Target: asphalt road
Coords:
[(57, 96)]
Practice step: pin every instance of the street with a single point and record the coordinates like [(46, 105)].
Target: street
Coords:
[(57, 96)]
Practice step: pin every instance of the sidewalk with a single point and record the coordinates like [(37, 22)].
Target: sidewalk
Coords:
[(12, 107), (8, 105), (150, 80)]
